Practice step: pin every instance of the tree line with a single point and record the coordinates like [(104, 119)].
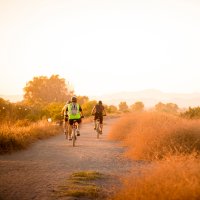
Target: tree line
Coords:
[(44, 98)]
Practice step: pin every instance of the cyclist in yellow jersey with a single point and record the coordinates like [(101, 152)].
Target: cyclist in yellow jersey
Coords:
[(74, 112)]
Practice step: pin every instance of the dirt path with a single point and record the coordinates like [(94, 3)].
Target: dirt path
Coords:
[(36, 172)]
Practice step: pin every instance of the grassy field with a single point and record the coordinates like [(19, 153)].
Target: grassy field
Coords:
[(21, 134), (172, 144)]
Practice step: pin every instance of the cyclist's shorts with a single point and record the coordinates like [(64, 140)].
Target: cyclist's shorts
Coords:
[(71, 121), (100, 117)]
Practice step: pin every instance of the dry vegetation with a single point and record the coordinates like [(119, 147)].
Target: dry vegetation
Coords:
[(81, 185), (153, 136), (23, 133), (171, 179), (173, 146)]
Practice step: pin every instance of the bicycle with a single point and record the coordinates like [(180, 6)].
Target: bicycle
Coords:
[(97, 125), (75, 131)]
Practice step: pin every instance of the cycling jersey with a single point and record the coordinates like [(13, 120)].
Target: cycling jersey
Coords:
[(74, 110)]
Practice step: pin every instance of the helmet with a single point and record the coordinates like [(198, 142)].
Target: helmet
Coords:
[(74, 99), (100, 102)]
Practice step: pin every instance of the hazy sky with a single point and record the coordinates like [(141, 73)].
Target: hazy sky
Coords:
[(101, 46)]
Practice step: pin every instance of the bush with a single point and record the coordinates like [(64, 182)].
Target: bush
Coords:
[(153, 136), (87, 107), (19, 136), (192, 113), (176, 178)]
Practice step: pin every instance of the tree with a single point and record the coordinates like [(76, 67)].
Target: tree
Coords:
[(169, 108), (123, 106), (87, 107), (82, 99), (53, 111), (172, 108), (160, 107), (192, 113), (4, 109), (137, 106), (111, 109), (44, 90)]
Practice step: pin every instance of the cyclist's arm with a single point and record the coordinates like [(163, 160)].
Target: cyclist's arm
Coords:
[(93, 110), (63, 110)]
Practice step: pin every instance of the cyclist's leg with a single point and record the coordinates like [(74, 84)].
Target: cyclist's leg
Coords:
[(78, 126), (95, 121), (70, 123), (65, 129), (65, 125), (95, 124)]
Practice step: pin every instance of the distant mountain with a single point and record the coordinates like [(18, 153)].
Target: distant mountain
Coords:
[(151, 97), (12, 98)]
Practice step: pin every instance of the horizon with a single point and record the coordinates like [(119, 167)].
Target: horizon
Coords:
[(150, 97)]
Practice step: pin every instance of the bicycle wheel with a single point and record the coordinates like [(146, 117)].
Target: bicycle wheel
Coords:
[(98, 130), (73, 137)]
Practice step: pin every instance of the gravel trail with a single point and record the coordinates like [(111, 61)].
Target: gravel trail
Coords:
[(35, 173)]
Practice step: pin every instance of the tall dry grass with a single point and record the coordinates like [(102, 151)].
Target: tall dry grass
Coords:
[(172, 144), (21, 134), (176, 178), (153, 136)]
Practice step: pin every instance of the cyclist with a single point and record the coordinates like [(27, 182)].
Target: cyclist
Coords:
[(65, 118), (74, 111), (99, 111)]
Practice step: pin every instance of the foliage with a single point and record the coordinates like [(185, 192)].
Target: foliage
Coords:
[(44, 98), (82, 99), (44, 90), (53, 111), (13, 111), (22, 110), (123, 107), (137, 106), (168, 108), (87, 107), (192, 113), (111, 109), (5, 109)]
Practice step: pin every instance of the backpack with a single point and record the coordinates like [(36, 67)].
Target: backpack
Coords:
[(99, 109), (74, 109)]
